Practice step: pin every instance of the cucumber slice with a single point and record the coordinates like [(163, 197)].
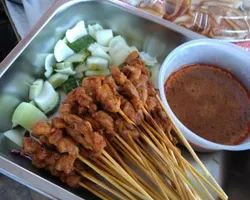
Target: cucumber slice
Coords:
[(149, 60), (78, 57), (36, 88), (104, 36), (81, 44), (49, 62), (15, 136), (81, 68), (95, 45), (104, 72), (48, 99), (64, 65), (76, 32), (67, 71), (98, 52), (93, 29), (26, 115), (97, 63), (58, 79), (115, 40), (62, 51)]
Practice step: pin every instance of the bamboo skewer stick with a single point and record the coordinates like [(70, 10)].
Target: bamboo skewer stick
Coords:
[(106, 176), (124, 173), (124, 185), (149, 189), (151, 169), (191, 151), (95, 191), (169, 163), (129, 170), (126, 117), (101, 184), (167, 187)]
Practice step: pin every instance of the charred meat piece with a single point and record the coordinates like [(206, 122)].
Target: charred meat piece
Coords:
[(132, 73), (143, 93), (128, 109), (89, 154), (41, 128), (58, 122), (104, 119), (95, 125), (126, 86), (65, 163), (119, 77), (107, 122), (151, 103), (78, 102), (125, 129), (30, 146), (55, 136), (132, 58), (107, 95), (92, 85), (161, 118), (67, 145), (89, 139)]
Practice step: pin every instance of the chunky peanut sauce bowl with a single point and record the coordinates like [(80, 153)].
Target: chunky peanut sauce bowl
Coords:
[(212, 52)]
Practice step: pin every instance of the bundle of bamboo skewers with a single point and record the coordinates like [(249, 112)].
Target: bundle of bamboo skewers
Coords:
[(117, 130)]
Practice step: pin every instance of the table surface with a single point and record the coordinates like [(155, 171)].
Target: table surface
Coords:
[(12, 190)]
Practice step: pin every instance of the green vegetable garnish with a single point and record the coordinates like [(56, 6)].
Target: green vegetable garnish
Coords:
[(71, 84), (82, 43)]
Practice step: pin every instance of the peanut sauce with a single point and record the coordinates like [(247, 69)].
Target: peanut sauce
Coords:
[(211, 102)]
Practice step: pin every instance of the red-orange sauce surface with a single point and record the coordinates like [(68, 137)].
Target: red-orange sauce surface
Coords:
[(211, 102)]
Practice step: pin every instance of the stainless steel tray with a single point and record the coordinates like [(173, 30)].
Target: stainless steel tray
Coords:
[(26, 61)]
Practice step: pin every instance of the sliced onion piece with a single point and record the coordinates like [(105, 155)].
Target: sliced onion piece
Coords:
[(66, 71), (97, 63), (149, 60), (81, 68), (95, 45), (58, 79), (93, 29), (36, 88), (49, 62), (48, 98), (115, 40), (62, 51), (98, 52), (76, 32), (104, 36), (103, 72)]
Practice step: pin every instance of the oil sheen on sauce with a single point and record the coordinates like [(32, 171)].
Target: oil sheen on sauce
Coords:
[(211, 102)]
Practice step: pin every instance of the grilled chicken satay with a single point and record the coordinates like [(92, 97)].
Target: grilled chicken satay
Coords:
[(54, 137), (49, 160), (139, 75)]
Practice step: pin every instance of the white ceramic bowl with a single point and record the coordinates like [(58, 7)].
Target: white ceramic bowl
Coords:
[(214, 52)]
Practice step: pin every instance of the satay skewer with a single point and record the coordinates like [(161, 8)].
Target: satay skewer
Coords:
[(94, 190), (101, 184), (194, 155)]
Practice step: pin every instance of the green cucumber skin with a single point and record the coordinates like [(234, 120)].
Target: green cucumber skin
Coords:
[(82, 43)]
